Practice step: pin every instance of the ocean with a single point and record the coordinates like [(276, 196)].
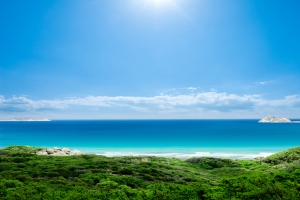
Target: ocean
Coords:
[(241, 139)]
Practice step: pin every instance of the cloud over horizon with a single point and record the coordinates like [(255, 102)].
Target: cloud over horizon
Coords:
[(188, 105)]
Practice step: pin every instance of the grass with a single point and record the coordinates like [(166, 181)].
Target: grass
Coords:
[(25, 175)]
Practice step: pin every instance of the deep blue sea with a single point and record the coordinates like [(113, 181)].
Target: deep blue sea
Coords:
[(174, 138)]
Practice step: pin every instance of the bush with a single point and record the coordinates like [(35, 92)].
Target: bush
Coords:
[(211, 163), (126, 171)]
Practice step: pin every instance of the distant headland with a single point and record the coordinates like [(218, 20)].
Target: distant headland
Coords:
[(25, 119), (273, 119)]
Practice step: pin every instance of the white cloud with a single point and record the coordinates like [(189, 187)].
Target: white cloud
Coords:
[(193, 105), (192, 88), (264, 82)]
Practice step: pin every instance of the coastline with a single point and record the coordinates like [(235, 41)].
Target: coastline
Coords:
[(185, 153), (190, 155), (180, 153)]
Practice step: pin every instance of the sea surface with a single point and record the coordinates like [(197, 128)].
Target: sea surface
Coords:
[(242, 139)]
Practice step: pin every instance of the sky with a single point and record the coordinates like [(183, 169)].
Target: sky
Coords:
[(149, 59)]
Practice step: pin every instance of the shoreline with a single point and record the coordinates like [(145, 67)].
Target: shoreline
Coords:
[(180, 153), (185, 153), (190, 155)]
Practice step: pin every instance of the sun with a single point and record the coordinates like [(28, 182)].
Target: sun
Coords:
[(160, 2), (159, 8)]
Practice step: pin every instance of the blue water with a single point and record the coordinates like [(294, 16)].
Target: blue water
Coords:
[(220, 138)]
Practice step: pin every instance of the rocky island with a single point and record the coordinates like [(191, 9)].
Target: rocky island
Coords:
[(273, 119), (25, 119)]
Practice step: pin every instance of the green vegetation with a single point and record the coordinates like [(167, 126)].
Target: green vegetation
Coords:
[(24, 175)]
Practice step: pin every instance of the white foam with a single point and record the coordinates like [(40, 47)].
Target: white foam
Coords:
[(190, 155), (266, 154), (202, 153)]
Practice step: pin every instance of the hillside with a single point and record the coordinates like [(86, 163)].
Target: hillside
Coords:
[(24, 175)]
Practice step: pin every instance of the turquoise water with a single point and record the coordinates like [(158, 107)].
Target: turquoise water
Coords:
[(175, 138)]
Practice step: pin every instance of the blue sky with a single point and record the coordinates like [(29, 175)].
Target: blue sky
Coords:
[(141, 59)]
